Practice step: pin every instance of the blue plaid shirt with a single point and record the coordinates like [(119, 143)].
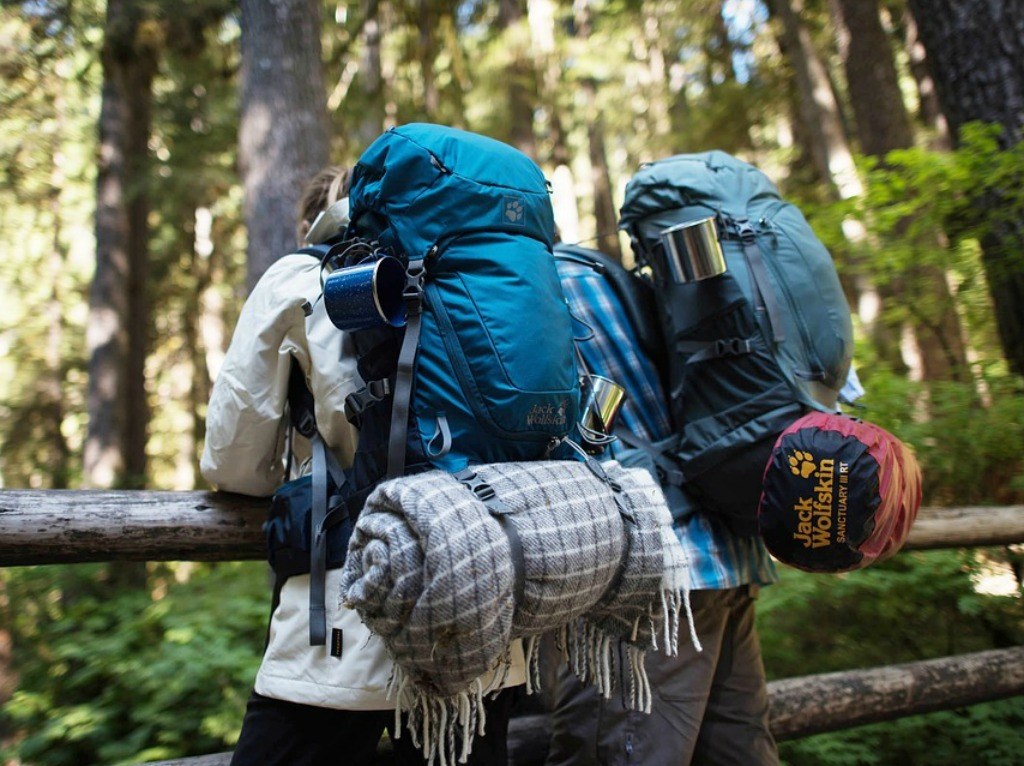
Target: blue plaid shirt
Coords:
[(609, 347)]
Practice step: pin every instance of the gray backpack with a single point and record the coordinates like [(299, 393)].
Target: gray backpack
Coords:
[(751, 350)]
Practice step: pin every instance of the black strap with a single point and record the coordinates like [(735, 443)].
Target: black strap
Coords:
[(703, 350), (503, 514), (413, 296), (300, 401), (759, 273), (669, 470), (318, 547), (317, 251)]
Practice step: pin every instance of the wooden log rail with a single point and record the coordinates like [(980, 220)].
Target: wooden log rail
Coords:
[(65, 526), (822, 703), (71, 526)]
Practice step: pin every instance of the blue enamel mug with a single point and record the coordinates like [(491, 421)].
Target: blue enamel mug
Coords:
[(366, 295)]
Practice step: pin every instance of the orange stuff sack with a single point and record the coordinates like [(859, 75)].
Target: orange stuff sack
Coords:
[(838, 494)]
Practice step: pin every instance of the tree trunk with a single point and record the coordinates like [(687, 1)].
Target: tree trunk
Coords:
[(370, 123), (52, 388), (117, 335), (605, 219), (929, 110), (658, 118), (556, 153), (521, 79), (883, 125), (976, 53), (822, 127), (878, 109), (427, 23), (283, 137), (816, 102)]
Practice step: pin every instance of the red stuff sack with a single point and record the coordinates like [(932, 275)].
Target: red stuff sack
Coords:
[(838, 494)]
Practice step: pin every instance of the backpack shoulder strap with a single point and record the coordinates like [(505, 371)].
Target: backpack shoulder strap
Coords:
[(634, 293)]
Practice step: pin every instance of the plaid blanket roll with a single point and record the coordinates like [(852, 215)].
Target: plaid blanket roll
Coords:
[(431, 570)]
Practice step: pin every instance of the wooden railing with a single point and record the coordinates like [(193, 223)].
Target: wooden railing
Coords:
[(60, 527)]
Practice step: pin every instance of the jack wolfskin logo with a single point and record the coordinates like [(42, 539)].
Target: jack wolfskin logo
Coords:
[(802, 464), (514, 210), (546, 415)]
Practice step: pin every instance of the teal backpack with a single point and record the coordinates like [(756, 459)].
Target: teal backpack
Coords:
[(751, 350), (483, 370)]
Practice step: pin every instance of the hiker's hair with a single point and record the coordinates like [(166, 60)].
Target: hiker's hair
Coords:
[(325, 188)]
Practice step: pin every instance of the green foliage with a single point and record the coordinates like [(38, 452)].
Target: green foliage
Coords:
[(116, 676), (990, 734), (916, 606), (971, 449)]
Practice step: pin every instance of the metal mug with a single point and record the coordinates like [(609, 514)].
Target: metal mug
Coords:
[(692, 251), (602, 400), (366, 295)]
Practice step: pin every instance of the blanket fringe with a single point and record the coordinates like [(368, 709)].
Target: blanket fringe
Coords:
[(443, 728), (590, 650)]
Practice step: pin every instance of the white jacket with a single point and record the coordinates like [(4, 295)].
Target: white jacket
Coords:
[(244, 452)]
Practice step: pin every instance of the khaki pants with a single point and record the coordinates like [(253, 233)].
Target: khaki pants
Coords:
[(709, 707)]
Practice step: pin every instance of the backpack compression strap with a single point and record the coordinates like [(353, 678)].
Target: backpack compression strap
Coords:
[(303, 420), (758, 270), (321, 521), (413, 296)]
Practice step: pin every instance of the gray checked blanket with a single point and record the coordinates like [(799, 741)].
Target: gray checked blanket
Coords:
[(433, 572)]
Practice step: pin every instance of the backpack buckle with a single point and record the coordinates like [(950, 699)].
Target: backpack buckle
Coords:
[(732, 347), (746, 231), (412, 293), (358, 401), (483, 491)]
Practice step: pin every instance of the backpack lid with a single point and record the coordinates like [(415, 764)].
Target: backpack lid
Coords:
[(838, 494), (436, 183), (714, 180)]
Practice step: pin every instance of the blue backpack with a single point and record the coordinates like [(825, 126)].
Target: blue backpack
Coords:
[(484, 369), (471, 219), (751, 350)]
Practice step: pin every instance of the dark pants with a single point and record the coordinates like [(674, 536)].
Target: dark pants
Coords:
[(709, 708), (279, 733)]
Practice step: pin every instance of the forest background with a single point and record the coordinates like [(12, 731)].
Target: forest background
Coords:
[(151, 154)]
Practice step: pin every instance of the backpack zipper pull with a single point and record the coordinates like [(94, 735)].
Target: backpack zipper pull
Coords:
[(439, 165)]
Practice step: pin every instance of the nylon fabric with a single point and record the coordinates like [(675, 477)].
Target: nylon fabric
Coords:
[(839, 494), (750, 350), (478, 214)]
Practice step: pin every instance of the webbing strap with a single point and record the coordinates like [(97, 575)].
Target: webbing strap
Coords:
[(628, 523), (703, 350), (444, 435), (670, 471), (318, 547), (400, 404), (503, 514), (759, 272)]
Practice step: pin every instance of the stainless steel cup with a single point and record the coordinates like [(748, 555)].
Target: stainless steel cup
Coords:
[(692, 251), (602, 400)]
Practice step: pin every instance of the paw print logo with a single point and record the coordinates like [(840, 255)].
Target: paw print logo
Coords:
[(801, 464), (515, 211)]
